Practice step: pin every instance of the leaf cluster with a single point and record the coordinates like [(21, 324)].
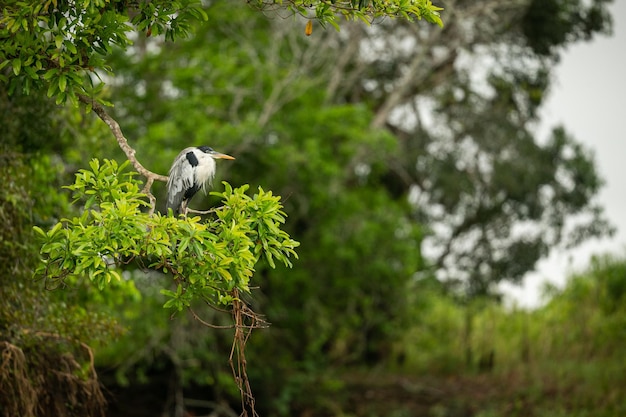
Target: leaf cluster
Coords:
[(208, 260), (56, 45), (329, 11), (61, 46)]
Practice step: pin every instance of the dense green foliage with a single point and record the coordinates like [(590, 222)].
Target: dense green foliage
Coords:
[(61, 47), (53, 44), (45, 337), (208, 260), (562, 359), (565, 358), (329, 12)]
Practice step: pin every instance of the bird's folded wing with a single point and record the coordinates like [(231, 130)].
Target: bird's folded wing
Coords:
[(180, 180)]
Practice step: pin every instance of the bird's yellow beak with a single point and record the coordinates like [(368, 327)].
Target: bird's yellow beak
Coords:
[(217, 155)]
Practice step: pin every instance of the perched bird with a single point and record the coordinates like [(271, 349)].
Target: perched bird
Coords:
[(192, 169)]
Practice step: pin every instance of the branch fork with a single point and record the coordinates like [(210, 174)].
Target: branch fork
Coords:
[(128, 150)]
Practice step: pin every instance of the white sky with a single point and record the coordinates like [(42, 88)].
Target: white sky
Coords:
[(589, 99)]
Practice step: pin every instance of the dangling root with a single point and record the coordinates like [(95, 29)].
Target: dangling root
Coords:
[(48, 380), (245, 320), (19, 395)]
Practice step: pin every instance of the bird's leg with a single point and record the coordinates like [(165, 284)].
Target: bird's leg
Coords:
[(183, 208)]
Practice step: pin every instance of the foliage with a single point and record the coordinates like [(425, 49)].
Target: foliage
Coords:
[(208, 260), (507, 215), (47, 367), (327, 11), (327, 163), (564, 358), (211, 261), (551, 24), (25, 200), (61, 46)]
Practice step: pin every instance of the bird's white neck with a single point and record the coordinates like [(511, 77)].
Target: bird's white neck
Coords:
[(205, 171)]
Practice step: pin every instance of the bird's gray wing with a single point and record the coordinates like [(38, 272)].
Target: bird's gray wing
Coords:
[(180, 180)]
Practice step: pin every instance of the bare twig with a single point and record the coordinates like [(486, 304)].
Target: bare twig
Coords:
[(207, 324), (128, 150), (213, 210), (415, 71), (218, 408), (341, 78)]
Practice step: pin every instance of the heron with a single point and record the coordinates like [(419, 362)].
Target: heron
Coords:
[(192, 170)]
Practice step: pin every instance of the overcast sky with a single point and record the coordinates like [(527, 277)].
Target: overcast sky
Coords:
[(589, 99)]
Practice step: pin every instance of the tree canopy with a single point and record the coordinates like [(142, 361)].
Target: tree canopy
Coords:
[(61, 46)]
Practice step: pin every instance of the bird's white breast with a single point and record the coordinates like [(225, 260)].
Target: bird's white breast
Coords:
[(205, 171)]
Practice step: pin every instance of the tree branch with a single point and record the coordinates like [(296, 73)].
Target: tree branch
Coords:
[(128, 150), (414, 74), (207, 324)]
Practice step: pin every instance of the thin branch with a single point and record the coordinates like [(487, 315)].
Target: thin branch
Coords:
[(342, 79), (193, 211), (414, 73), (207, 324), (218, 408), (128, 150)]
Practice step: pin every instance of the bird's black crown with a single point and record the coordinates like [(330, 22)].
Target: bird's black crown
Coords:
[(206, 149)]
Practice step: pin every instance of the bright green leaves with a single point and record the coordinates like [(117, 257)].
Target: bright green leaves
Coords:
[(264, 214), (328, 11), (208, 260), (106, 233), (17, 66), (58, 46), (106, 184), (172, 19)]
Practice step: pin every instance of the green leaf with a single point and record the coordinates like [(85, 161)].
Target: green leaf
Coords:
[(61, 97), (31, 72), (17, 66), (52, 89), (55, 229), (39, 231), (115, 274), (62, 82), (50, 73), (174, 303), (168, 293), (71, 47)]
